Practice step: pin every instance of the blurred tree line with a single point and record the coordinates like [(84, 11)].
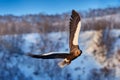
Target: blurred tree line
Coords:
[(42, 23)]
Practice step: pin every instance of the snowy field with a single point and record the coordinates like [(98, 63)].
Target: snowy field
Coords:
[(94, 64)]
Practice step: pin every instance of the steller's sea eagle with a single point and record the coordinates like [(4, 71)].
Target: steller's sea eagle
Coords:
[(75, 25)]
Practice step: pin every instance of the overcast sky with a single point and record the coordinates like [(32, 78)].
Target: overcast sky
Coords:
[(22, 7)]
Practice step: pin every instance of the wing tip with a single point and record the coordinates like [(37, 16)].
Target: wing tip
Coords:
[(30, 54), (73, 11), (75, 14)]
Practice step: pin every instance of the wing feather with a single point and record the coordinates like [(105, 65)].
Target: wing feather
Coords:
[(75, 25), (49, 55)]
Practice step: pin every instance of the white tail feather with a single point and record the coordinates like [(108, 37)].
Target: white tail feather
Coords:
[(63, 63)]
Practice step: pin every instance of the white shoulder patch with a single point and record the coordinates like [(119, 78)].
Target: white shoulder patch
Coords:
[(45, 54), (76, 35)]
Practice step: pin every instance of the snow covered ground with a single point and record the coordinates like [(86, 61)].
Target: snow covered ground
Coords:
[(18, 66)]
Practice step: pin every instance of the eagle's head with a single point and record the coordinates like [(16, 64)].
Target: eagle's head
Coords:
[(78, 52)]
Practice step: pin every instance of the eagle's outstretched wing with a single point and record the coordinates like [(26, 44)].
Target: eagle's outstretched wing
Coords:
[(52, 55), (75, 25)]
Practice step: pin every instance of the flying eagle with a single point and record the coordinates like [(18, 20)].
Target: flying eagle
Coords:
[(75, 25)]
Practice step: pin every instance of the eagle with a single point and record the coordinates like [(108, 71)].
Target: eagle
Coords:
[(74, 28)]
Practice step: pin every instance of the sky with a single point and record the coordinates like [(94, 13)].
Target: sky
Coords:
[(23, 7)]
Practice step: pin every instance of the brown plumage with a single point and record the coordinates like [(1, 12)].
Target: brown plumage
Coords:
[(74, 20), (75, 25)]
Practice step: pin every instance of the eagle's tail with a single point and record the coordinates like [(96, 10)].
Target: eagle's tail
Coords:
[(64, 63)]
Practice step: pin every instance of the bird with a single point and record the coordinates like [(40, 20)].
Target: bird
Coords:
[(75, 51)]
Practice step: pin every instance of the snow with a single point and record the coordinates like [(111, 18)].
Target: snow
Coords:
[(80, 68), (31, 37), (85, 63), (115, 33)]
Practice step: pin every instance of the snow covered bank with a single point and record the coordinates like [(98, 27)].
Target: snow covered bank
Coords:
[(91, 65)]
